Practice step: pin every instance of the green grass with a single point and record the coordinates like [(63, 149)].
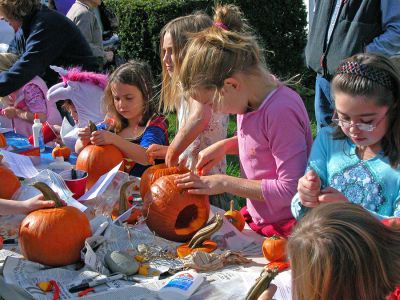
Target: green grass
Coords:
[(233, 167)]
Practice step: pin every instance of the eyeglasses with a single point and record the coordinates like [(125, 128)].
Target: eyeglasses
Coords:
[(360, 126)]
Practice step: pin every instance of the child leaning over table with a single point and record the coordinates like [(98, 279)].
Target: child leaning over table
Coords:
[(129, 101), (223, 69), (22, 104), (358, 159)]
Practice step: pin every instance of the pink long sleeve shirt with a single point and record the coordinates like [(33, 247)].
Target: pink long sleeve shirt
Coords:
[(274, 144)]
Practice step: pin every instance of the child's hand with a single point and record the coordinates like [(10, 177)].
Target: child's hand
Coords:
[(208, 158), (9, 112), (202, 185), (330, 194), (309, 188), (36, 203), (156, 151), (171, 158), (84, 135), (268, 293), (102, 137)]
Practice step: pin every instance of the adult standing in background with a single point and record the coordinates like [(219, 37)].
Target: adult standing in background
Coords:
[(83, 15), (43, 38), (341, 28)]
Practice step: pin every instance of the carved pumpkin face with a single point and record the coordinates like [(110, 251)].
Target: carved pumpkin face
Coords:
[(98, 160), (153, 173), (9, 183), (173, 213)]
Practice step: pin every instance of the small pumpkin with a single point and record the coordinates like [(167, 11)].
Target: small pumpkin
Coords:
[(9, 182), (274, 248), (123, 205), (173, 213), (61, 150), (153, 173), (53, 236), (235, 217), (207, 246), (3, 141)]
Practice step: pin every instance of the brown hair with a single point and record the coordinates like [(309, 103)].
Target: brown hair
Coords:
[(67, 105), (134, 73), (179, 30), (358, 85), (19, 9), (341, 251), (217, 53)]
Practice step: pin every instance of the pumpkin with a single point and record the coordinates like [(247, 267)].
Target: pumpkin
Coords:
[(123, 205), (9, 182), (98, 160), (274, 248), (235, 217), (153, 173), (53, 236), (60, 150), (207, 246), (3, 141), (173, 213)]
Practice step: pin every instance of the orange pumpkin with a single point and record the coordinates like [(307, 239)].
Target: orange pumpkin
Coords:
[(63, 151), (274, 248), (9, 182), (173, 213), (153, 173), (123, 205), (207, 246), (235, 217), (3, 141), (54, 236), (98, 160)]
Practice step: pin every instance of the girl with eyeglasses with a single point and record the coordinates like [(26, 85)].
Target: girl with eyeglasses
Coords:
[(357, 159)]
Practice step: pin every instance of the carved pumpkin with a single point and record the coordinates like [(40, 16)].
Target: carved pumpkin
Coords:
[(207, 246), (123, 205), (153, 173), (98, 160), (9, 182), (63, 151), (235, 217), (274, 248), (3, 141), (173, 213), (53, 236)]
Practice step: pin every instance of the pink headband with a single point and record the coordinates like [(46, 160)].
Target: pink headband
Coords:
[(221, 25)]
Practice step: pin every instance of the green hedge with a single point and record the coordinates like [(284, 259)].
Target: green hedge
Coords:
[(279, 23)]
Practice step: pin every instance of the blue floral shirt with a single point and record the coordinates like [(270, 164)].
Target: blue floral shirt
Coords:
[(371, 183)]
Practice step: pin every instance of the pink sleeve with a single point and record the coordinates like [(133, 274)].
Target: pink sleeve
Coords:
[(289, 140), (35, 98)]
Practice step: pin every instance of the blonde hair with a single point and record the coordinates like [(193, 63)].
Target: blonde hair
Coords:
[(217, 53), (19, 9), (355, 84), (341, 251), (179, 30), (134, 73)]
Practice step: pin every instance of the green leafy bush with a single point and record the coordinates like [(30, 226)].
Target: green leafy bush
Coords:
[(280, 25)]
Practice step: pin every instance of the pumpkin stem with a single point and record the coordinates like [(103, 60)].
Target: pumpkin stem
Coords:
[(92, 126), (123, 199), (48, 193), (231, 208)]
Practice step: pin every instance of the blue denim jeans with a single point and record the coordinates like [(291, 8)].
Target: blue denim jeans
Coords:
[(323, 104)]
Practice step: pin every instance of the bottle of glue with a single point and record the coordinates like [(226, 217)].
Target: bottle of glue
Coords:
[(181, 286), (37, 131)]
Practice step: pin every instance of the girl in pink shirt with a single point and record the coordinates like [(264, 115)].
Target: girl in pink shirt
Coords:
[(224, 69)]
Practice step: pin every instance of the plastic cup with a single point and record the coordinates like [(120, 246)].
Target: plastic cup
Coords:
[(76, 186), (48, 134)]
